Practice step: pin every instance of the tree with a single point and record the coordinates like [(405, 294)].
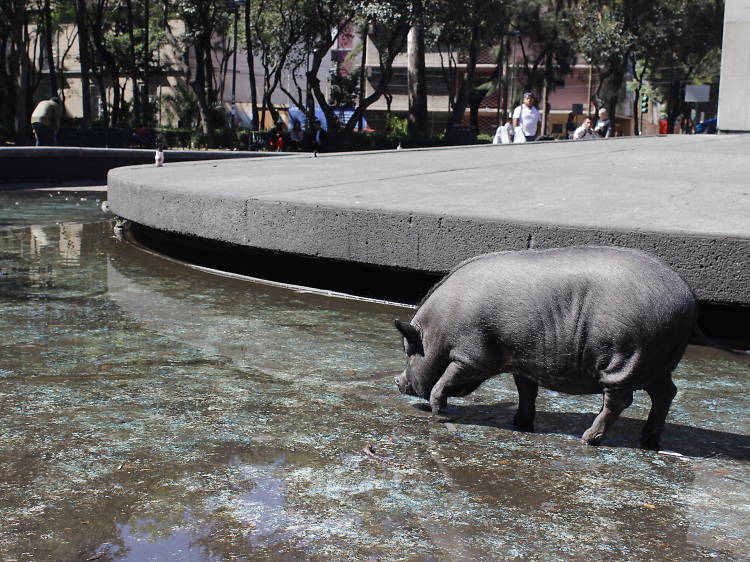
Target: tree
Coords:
[(278, 27), (84, 58), (15, 68), (606, 45), (106, 63), (546, 46), (387, 22), (251, 65), (417, 119), (49, 43), (463, 32), (666, 42), (688, 50), (205, 19)]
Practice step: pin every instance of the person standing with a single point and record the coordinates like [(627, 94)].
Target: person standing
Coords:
[(45, 121), (276, 136), (296, 137), (317, 137), (527, 117), (570, 125), (604, 126)]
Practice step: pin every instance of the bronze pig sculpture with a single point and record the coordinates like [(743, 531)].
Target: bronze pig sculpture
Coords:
[(579, 320)]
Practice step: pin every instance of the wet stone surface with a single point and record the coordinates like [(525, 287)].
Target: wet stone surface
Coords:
[(149, 411)]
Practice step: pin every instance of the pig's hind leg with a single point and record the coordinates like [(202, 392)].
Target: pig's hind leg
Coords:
[(527, 392), (662, 392), (615, 401)]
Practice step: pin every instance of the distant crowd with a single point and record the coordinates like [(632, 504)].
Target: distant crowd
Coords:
[(525, 122), (297, 140), (523, 126)]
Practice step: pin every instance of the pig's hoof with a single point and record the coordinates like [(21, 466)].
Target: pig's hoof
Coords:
[(438, 405), (523, 424), (650, 442), (591, 437)]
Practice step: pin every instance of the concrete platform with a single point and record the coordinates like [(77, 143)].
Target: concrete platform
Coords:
[(683, 198)]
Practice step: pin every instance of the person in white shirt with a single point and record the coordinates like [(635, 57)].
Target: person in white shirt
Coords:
[(604, 126), (585, 131), (527, 117), (504, 134)]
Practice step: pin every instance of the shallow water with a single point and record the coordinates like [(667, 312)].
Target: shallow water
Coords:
[(149, 411)]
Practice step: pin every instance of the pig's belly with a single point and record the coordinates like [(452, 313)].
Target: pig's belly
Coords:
[(569, 382)]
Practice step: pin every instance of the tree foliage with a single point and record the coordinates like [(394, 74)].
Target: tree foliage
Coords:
[(658, 46)]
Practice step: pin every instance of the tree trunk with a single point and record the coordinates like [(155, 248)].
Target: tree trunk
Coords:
[(363, 74), (133, 63), (547, 82), (7, 89), (608, 93), (146, 114), (545, 109), (23, 94), (417, 118), (459, 109), (674, 107), (251, 69), (48, 38), (83, 50), (108, 60), (199, 87), (506, 84)]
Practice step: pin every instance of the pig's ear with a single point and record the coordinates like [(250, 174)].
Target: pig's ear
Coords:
[(412, 336)]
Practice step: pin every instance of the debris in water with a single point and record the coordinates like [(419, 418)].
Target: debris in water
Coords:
[(671, 454), (370, 452)]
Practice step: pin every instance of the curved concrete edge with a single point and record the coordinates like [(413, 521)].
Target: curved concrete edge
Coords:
[(26, 164), (716, 267)]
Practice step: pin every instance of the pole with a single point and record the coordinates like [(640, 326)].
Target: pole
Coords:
[(362, 75), (234, 68), (146, 64), (308, 124), (588, 95), (512, 95), (544, 99), (640, 120)]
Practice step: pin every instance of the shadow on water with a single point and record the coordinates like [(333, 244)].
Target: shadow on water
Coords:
[(684, 439), (725, 323)]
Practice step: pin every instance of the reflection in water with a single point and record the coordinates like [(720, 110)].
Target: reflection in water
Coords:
[(70, 243), (38, 240), (153, 412)]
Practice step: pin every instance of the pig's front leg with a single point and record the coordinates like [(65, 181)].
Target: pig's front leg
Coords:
[(527, 392), (454, 376)]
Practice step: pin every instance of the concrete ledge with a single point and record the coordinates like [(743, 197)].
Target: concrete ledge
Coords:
[(26, 164), (685, 199)]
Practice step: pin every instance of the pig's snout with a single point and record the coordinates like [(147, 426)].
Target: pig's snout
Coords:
[(400, 381), (403, 384)]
